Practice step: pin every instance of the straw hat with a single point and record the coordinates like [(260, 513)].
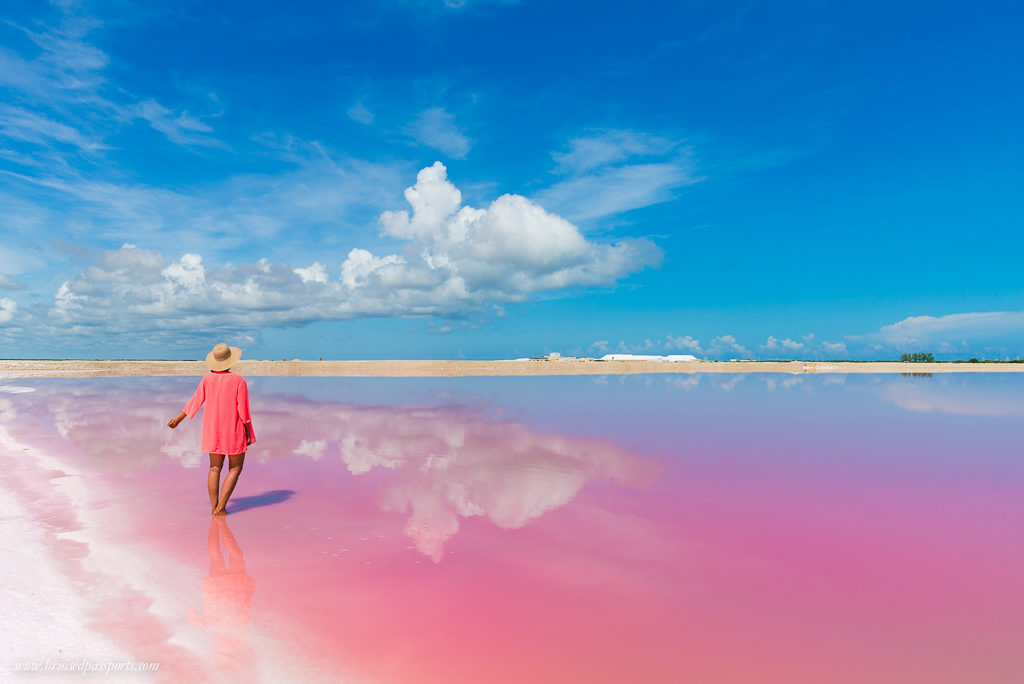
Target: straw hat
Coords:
[(223, 357)]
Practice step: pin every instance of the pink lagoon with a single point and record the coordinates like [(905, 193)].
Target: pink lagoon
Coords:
[(671, 528)]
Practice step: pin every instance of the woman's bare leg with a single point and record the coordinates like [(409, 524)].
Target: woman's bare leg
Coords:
[(235, 463), (213, 479)]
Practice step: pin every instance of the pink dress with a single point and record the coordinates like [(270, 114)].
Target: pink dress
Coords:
[(227, 408)]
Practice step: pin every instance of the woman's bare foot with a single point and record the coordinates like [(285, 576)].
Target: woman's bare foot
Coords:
[(219, 511)]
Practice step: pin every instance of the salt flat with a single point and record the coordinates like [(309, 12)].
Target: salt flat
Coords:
[(658, 528)]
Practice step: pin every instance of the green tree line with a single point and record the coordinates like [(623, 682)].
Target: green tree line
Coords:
[(918, 356)]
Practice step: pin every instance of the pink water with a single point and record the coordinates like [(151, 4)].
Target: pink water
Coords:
[(655, 529)]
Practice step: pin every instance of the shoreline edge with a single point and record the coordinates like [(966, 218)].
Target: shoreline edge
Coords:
[(440, 368)]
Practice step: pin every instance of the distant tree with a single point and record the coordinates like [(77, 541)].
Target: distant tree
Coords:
[(926, 357)]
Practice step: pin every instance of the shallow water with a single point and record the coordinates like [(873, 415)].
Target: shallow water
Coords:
[(645, 528)]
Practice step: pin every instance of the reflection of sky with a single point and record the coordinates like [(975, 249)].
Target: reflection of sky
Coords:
[(994, 396), (757, 528)]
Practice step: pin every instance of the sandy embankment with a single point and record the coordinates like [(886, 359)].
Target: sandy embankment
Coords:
[(77, 368)]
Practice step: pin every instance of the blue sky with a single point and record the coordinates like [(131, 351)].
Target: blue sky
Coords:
[(488, 179)]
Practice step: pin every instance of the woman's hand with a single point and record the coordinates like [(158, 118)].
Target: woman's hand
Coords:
[(173, 422)]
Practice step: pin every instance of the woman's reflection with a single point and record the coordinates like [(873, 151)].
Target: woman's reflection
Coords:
[(227, 595)]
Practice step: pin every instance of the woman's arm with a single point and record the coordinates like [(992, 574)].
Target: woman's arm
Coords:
[(242, 405), (192, 407)]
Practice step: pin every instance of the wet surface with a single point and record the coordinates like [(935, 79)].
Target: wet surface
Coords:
[(665, 529)]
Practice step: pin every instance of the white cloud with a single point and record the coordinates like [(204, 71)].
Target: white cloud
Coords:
[(952, 328), (509, 250), (8, 308), (436, 128), (183, 128), (66, 68), (454, 5), (247, 211), (317, 273), (615, 190), (835, 348), (58, 94), (726, 345), (28, 126), (460, 259), (131, 288), (360, 265), (67, 101), (359, 112), (722, 346), (615, 171), (611, 147), (785, 345), (686, 343)]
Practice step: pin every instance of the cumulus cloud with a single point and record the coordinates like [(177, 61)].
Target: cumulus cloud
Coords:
[(8, 307), (784, 345), (509, 250), (317, 273), (457, 259), (614, 171), (436, 128), (685, 343), (726, 345), (721, 346), (129, 288)]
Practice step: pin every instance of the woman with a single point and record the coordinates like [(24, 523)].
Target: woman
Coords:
[(227, 426)]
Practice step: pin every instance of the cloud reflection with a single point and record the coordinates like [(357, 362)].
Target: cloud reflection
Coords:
[(452, 461), (931, 395)]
